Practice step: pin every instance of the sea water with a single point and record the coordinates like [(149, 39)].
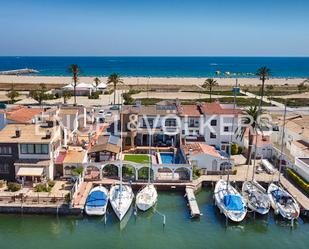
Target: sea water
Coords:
[(146, 230), (286, 67)]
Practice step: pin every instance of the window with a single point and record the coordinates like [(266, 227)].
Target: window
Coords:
[(5, 150), (38, 149), (170, 122), (30, 148), (148, 121), (193, 122), (4, 168), (226, 128), (213, 122), (212, 135), (34, 148)]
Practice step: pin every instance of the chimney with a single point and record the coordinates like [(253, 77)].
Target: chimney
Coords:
[(17, 132)]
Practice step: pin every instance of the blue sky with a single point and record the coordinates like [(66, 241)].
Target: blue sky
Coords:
[(155, 27)]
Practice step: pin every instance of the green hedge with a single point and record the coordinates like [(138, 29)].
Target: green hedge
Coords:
[(13, 186), (298, 179)]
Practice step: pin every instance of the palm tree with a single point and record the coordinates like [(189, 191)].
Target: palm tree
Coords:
[(96, 81), (264, 74), (66, 95), (12, 94), (252, 117), (210, 84), (75, 70), (269, 89), (114, 79)]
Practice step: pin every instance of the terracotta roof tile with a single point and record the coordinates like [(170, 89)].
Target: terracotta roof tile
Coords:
[(23, 114), (200, 148), (190, 110), (217, 108)]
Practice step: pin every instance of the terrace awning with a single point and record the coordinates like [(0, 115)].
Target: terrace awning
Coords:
[(27, 171)]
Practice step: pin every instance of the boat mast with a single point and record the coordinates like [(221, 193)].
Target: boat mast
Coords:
[(282, 140), (231, 137), (121, 141), (259, 112), (150, 158)]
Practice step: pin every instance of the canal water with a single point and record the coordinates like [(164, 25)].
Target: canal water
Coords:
[(146, 231)]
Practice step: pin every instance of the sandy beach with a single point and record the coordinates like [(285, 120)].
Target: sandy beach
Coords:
[(160, 81)]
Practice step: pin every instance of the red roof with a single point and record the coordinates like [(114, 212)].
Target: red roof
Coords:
[(217, 108), (261, 139), (200, 148), (190, 110), (22, 114), (60, 157)]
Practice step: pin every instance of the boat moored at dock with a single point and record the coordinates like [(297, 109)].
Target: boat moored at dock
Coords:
[(229, 201), (146, 197), (282, 202), (256, 197), (121, 197), (97, 201)]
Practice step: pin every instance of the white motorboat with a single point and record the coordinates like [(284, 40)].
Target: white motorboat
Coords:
[(229, 201), (282, 202), (147, 197), (97, 201), (121, 197), (256, 197)]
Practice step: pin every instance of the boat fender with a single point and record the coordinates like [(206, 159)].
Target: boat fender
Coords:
[(276, 211)]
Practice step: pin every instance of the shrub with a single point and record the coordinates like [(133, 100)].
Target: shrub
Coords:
[(51, 183), (40, 188), (298, 179), (234, 149), (94, 95), (43, 188), (2, 183), (143, 173), (128, 171), (240, 150), (67, 197), (196, 172), (78, 171), (108, 92), (13, 186), (128, 100)]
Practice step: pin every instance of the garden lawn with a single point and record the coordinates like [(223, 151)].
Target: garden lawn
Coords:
[(138, 158)]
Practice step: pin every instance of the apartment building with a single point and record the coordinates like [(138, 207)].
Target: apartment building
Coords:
[(172, 124), (27, 151)]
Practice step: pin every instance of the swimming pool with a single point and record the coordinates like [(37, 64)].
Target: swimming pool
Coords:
[(168, 158)]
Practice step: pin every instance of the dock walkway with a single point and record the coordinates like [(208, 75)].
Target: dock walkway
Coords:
[(298, 195), (194, 209)]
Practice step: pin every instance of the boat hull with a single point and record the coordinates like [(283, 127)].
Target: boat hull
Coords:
[(256, 197), (97, 210), (289, 210), (220, 192), (147, 197), (121, 197)]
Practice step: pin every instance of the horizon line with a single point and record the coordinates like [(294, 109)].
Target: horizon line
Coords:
[(258, 56)]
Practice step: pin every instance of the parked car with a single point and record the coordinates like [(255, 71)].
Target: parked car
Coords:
[(101, 112), (114, 107)]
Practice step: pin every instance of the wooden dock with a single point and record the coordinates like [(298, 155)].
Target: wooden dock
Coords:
[(194, 209), (297, 194)]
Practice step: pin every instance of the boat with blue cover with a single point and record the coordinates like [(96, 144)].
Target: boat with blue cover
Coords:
[(282, 202), (229, 201), (97, 201)]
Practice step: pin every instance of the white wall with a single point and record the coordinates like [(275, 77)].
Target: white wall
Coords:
[(302, 168), (208, 162)]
